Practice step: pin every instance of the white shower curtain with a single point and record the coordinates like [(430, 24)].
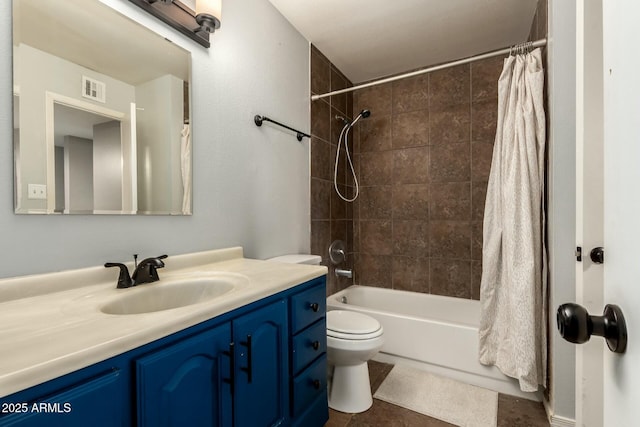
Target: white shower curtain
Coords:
[(513, 289)]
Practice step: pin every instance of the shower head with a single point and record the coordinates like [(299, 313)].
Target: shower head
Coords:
[(363, 114)]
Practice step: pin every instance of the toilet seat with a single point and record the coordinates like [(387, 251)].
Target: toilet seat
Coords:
[(350, 325)]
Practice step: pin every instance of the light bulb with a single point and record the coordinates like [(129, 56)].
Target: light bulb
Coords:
[(208, 14)]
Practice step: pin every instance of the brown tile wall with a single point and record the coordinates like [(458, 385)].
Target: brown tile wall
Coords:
[(424, 157), (331, 217), (422, 160)]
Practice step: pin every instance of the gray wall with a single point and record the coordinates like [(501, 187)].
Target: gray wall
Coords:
[(78, 174), (158, 125), (107, 166), (250, 186)]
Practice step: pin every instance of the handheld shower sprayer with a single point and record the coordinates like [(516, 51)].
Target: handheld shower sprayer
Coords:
[(348, 124), (363, 114)]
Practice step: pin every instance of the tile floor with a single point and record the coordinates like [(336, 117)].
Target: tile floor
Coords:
[(512, 411)]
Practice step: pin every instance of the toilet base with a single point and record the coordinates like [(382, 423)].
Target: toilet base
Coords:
[(350, 390)]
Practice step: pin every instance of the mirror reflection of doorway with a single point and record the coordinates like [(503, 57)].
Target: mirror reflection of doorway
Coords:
[(88, 161)]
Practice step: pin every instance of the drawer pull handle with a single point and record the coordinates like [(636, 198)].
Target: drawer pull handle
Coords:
[(314, 306), (316, 345), (232, 359), (249, 368), (316, 384)]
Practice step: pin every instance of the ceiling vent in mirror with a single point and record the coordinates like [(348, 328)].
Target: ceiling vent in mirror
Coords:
[(93, 89)]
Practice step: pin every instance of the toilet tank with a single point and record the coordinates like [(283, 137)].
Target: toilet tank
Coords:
[(298, 259)]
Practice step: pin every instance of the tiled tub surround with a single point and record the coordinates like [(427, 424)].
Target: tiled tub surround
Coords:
[(331, 217), (423, 160), (53, 324)]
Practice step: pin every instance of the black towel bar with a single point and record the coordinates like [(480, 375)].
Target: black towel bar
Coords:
[(259, 119)]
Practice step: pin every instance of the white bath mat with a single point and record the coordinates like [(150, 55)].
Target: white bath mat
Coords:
[(439, 397)]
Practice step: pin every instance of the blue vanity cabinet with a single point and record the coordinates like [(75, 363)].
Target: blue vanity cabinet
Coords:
[(261, 367), (308, 356), (184, 384), (234, 374)]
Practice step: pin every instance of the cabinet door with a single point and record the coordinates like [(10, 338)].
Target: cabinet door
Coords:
[(95, 402), (261, 389), (183, 385)]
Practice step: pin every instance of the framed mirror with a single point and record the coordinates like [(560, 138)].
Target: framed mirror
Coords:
[(101, 113)]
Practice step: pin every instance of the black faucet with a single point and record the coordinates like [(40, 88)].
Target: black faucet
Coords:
[(145, 272)]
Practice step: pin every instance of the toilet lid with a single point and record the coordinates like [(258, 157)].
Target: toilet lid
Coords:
[(352, 325)]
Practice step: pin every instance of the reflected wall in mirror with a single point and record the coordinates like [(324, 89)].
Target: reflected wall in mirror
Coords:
[(101, 113)]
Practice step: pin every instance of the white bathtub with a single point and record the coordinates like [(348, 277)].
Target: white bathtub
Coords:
[(431, 332)]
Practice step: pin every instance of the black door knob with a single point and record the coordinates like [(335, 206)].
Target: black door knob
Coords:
[(597, 255), (576, 325)]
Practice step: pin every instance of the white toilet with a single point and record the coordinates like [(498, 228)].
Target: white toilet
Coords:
[(352, 340)]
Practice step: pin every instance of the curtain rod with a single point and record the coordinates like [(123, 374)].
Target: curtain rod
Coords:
[(504, 51)]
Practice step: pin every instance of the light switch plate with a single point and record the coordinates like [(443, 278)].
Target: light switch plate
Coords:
[(37, 191)]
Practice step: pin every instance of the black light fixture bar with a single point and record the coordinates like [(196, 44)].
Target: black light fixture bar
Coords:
[(178, 16)]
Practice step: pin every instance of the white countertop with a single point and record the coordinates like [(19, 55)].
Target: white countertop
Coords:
[(51, 324)]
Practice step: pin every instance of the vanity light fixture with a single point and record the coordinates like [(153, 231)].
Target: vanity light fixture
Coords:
[(196, 25), (208, 14)]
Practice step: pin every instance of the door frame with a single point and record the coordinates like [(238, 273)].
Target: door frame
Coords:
[(52, 98), (589, 203)]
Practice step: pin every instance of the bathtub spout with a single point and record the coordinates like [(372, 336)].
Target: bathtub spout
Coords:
[(344, 273)]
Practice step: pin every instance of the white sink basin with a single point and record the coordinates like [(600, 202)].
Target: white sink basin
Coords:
[(171, 294)]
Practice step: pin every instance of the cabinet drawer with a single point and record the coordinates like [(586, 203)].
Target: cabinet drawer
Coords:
[(309, 384), (309, 344), (308, 307)]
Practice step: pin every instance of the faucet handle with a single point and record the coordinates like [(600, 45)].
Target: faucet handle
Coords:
[(154, 265), (146, 271), (124, 280)]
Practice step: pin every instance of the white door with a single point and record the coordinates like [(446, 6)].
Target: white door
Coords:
[(621, 49), (608, 204)]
